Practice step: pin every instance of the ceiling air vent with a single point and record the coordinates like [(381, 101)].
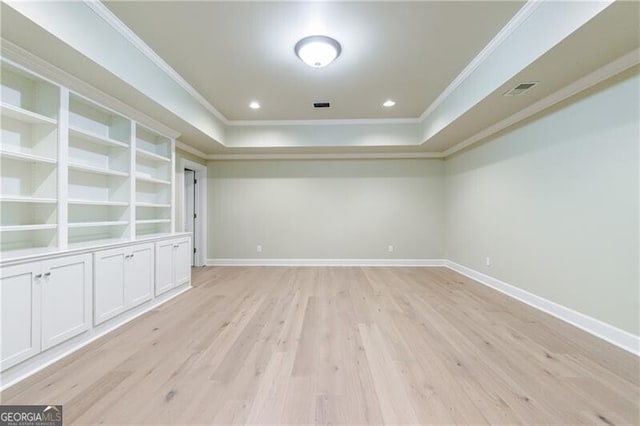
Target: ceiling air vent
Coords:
[(521, 88), (321, 105)]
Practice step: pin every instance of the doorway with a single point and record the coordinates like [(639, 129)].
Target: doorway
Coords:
[(194, 207), (190, 215)]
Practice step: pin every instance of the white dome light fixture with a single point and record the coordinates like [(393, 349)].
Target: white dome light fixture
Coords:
[(254, 105), (388, 103), (317, 51)]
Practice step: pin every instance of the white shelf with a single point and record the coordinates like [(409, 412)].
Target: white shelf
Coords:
[(30, 158), (14, 228), (24, 115), (97, 203), (154, 205), (152, 180), (95, 138), (117, 175), (150, 235), (27, 252), (152, 155), (96, 243), (97, 224), (19, 199), (96, 170), (148, 221)]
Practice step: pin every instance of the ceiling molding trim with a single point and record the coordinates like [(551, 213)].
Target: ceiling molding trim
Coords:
[(323, 122), (329, 156), (191, 150), (521, 16), (558, 20), (24, 58), (109, 17), (601, 74)]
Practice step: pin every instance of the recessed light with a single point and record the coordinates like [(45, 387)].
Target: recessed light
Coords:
[(254, 105), (317, 51), (388, 103)]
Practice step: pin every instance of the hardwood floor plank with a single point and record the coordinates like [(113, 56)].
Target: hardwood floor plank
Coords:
[(341, 345)]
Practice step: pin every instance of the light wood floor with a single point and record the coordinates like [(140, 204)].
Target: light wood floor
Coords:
[(341, 346)]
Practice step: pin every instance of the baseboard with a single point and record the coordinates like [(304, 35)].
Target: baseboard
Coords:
[(607, 332), (31, 366), (326, 262), (604, 331)]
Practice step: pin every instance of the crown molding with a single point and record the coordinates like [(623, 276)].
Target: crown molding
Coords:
[(13, 51), (110, 18), (518, 19), (23, 58), (102, 11), (327, 122), (619, 65), (191, 150), (598, 76), (329, 156), (311, 156)]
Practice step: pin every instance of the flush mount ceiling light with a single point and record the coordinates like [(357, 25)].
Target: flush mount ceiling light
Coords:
[(388, 103), (317, 51), (254, 105)]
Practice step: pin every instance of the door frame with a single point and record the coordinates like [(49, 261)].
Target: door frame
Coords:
[(200, 208)]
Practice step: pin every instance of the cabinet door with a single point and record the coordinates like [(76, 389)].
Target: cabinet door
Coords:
[(182, 261), (164, 266), (109, 279), (20, 314), (139, 275), (66, 298)]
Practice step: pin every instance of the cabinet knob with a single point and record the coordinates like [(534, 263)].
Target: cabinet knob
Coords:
[(47, 274), (38, 276)]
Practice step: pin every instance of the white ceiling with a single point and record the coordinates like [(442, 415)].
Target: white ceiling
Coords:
[(235, 52), (228, 79)]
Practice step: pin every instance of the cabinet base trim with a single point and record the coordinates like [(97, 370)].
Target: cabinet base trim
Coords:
[(31, 366)]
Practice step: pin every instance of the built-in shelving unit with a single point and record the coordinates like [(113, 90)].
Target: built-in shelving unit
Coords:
[(75, 173), (153, 182), (28, 161)]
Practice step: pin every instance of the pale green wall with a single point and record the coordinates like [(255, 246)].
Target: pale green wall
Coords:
[(554, 203), (326, 209), (180, 155)]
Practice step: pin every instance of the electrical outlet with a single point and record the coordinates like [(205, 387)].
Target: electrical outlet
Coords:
[(487, 261), (390, 249), (259, 248)]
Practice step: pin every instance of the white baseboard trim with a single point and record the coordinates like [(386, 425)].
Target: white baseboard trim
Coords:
[(604, 331), (326, 262), (607, 332), (41, 361)]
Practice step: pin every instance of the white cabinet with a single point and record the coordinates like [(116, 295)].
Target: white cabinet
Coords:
[(47, 300), (123, 279), (66, 298), (108, 287), (20, 315), (140, 275), (43, 304), (173, 264)]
